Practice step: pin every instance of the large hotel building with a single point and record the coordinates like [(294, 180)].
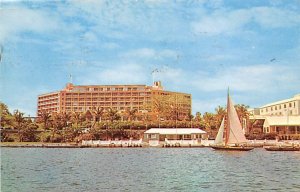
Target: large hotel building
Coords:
[(81, 98)]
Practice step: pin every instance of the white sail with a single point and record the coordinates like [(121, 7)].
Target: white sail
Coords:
[(219, 138), (234, 126)]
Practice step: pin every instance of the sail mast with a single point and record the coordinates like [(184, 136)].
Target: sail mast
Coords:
[(228, 121)]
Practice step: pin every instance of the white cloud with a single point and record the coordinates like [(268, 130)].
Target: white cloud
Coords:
[(208, 104), (231, 22), (147, 53), (262, 78), (88, 5), (90, 36), (274, 17), (117, 74), (17, 19), (221, 22), (110, 45)]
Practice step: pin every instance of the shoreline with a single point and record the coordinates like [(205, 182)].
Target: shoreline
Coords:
[(254, 143)]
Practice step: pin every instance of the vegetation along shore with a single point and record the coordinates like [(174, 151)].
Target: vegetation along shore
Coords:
[(100, 124)]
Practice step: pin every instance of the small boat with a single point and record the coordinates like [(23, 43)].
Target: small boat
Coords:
[(283, 148), (235, 139)]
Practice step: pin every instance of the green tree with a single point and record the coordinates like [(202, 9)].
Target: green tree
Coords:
[(6, 118), (27, 133), (57, 125), (45, 118), (131, 114), (198, 117), (113, 115), (98, 114), (88, 116), (242, 111), (220, 113), (77, 119), (66, 119), (19, 120), (209, 120), (158, 107)]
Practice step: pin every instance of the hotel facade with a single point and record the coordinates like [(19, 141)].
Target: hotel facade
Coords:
[(81, 98), (281, 118)]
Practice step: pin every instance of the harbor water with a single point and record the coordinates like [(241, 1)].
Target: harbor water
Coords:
[(148, 169)]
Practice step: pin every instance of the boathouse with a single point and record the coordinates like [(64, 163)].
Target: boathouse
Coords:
[(183, 136)]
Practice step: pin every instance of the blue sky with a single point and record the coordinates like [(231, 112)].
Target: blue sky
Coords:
[(198, 46)]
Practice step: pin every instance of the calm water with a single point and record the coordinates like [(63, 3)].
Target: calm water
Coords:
[(148, 169)]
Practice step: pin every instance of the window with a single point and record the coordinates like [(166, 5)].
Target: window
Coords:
[(152, 136)]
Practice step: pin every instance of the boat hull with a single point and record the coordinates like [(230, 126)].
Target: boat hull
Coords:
[(278, 148), (232, 148)]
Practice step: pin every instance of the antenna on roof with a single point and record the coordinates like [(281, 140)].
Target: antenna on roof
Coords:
[(156, 70)]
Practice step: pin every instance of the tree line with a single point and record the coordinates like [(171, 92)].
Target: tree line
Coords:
[(101, 123)]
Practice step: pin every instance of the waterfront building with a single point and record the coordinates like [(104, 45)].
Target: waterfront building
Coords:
[(83, 98), (173, 136), (281, 118), (285, 107)]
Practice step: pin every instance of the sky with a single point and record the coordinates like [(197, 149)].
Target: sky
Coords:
[(200, 47)]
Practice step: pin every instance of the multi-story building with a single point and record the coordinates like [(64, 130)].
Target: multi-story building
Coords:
[(281, 117), (81, 98), (289, 107)]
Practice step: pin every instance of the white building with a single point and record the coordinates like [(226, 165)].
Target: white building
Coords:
[(282, 108), (173, 136), (281, 117)]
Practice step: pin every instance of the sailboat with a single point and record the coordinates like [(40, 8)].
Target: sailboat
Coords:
[(235, 139)]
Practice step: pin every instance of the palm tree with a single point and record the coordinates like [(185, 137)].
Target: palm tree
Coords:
[(112, 115), (28, 131), (158, 107), (209, 120), (242, 111), (220, 113), (98, 114), (77, 118), (88, 115), (65, 118), (198, 117), (57, 125), (6, 117), (45, 117), (19, 120), (131, 115)]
